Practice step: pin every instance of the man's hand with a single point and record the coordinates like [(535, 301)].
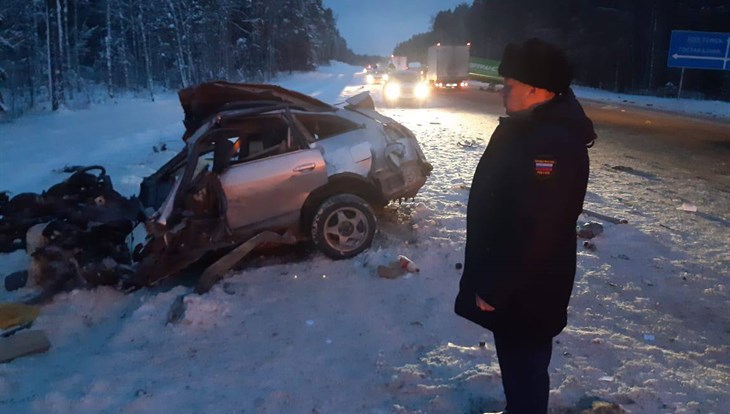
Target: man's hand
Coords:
[(481, 304)]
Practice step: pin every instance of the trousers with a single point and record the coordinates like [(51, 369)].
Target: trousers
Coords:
[(525, 377)]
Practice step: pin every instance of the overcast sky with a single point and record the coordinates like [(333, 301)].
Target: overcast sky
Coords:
[(374, 27)]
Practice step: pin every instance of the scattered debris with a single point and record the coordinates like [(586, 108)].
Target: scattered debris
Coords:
[(408, 264), (649, 337), (16, 280), (15, 316), (398, 268), (177, 310), (229, 289), (691, 208), (605, 217), (467, 144), (215, 272), (602, 407), (458, 266), (589, 246), (391, 271), (23, 343), (589, 230), (633, 171), (161, 148)]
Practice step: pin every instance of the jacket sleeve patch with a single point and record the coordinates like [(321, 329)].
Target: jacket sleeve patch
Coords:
[(544, 166)]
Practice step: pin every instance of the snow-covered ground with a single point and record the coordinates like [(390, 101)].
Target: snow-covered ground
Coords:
[(649, 323), (715, 109)]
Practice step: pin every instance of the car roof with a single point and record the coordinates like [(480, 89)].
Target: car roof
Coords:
[(202, 101)]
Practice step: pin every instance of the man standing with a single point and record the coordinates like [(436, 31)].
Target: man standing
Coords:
[(525, 198)]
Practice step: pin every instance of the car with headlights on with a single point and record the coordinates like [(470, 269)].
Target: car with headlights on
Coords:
[(406, 86), (261, 158), (376, 76)]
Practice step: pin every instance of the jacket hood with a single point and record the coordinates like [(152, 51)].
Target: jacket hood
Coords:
[(566, 111)]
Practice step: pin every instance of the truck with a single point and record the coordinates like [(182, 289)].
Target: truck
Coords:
[(448, 66), (399, 62), (485, 70)]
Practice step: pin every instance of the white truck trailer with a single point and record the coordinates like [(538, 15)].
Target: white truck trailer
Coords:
[(399, 62), (448, 66)]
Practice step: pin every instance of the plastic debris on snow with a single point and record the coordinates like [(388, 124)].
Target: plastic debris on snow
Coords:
[(688, 207)]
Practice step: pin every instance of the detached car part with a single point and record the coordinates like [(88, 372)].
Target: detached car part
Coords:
[(74, 232)]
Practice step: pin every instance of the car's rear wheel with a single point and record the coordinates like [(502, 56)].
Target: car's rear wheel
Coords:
[(343, 226)]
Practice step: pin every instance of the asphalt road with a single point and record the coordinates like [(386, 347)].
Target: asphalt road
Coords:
[(678, 145)]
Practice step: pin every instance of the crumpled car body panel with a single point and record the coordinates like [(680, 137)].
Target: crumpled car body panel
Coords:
[(271, 187)]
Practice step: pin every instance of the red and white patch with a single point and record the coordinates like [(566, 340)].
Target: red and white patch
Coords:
[(544, 167)]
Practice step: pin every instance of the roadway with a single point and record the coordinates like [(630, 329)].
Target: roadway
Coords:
[(682, 144), (644, 160)]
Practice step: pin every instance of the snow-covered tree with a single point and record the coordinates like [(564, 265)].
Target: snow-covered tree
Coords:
[(56, 51)]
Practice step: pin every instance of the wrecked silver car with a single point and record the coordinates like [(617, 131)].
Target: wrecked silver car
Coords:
[(261, 158)]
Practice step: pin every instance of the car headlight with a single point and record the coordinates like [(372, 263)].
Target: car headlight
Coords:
[(369, 78), (386, 77), (392, 91), (421, 91)]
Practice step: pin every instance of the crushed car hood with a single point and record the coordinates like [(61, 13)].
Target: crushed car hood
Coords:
[(201, 101)]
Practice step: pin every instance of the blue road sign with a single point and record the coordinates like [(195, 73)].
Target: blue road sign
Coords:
[(699, 50)]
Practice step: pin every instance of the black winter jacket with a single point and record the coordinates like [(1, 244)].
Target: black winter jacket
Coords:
[(525, 198)]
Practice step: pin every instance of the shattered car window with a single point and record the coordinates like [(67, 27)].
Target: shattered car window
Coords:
[(323, 126), (204, 163), (259, 136)]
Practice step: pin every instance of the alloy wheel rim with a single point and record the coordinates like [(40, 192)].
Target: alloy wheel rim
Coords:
[(346, 229)]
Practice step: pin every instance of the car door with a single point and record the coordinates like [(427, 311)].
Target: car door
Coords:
[(272, 189)]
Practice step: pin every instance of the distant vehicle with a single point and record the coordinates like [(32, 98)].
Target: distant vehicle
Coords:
[(372, 68), (406, 85), (448, 66), (399, 62), (374, 74)]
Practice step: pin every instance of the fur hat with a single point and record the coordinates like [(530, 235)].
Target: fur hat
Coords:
[(537, 63)]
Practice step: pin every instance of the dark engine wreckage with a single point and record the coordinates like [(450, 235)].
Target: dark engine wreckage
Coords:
[(75, 233), (261, 164)]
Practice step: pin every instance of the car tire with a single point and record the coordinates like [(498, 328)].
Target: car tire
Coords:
[(343, 226)]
